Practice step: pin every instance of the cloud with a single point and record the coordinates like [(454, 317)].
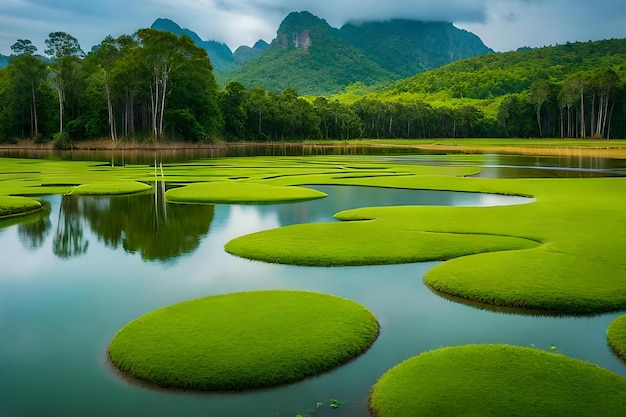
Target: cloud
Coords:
[(502, 24), (511, 24)]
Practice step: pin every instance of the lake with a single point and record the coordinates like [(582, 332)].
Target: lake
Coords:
[(73, 277)]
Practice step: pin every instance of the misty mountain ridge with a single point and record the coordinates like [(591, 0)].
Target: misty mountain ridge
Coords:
[(315, 58), (222, 58)]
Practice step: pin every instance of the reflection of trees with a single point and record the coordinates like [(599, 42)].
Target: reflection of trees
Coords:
[(35, 229), (145, 224), (69, 239)]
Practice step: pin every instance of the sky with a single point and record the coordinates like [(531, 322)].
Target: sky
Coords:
[(503, 25)]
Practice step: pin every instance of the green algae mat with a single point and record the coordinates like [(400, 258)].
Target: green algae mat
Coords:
[(561, 253), (243, 340), (110, 188), (496, 381), (238, 192)]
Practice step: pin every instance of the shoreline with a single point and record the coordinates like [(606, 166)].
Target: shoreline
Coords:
[(585, 149)]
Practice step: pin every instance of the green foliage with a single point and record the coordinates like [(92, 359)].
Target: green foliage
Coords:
[(243, 340), (62, 141), (495, 381)]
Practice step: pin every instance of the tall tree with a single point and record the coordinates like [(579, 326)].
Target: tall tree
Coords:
[(23, 46), (105, 55), (66, 51), (27, 74), (537, 95)]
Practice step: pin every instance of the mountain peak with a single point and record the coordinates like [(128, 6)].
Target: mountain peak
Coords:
[(295, 30)]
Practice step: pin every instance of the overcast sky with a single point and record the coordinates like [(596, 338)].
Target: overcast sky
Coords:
[(503, 25)]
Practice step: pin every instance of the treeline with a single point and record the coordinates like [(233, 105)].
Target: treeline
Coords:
[(156, 86), (586, 104), (150, 85)]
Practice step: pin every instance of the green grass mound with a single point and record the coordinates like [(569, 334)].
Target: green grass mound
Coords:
[(616, 336), (497, 380), (15, 206), (110, 188), (236, 192), (370, 243), (243, 340)]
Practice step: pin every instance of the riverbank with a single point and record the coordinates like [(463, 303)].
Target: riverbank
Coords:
[(601, 148)]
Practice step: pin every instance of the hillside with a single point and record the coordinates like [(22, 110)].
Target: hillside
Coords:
[(4, 61), (315, 58), (406, 47), (499, 74), (309, 56)]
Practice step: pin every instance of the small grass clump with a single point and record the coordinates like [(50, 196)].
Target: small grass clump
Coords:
[(237, 192), (243, 340), (110, 188), (17, 206), (616, 336), (496, 381)]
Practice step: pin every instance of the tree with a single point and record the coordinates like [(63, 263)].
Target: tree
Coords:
[(105, 55), (537, 95), (23, 46), (66, 51), (27, 74)]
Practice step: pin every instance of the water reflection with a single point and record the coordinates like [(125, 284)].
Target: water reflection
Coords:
[(142, 224), (57, 325), (69, 238), (34, 231)]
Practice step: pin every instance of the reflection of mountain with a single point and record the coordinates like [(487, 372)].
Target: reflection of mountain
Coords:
[(143, 224)]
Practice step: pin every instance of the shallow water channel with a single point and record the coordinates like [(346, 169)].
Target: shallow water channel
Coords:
[(73, 278)]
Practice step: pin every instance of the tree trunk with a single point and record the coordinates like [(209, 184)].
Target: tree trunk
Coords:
[(60, 109), (109, 106), (35, 123)]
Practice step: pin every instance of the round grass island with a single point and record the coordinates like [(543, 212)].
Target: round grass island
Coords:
[(238, 192), (17, 206), (616, 337), (496, 381), (243, 341), (115, 187)]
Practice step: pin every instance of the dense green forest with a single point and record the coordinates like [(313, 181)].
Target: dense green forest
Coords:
[(156, 86)]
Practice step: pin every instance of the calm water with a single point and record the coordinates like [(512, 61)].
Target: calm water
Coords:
[(72, 278)]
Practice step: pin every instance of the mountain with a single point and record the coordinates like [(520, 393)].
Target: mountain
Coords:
[(310, 56), (315, 58), (4, 61), (407, 47), (244, 53), (222, 58)]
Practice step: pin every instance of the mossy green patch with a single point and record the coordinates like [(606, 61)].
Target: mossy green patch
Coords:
[(234, 192), (616, 336), (243, 340), (364, 243), (561, 253), (110, 188), (497, 380), (15, 206)]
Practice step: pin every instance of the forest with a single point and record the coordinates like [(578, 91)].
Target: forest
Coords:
[(157, 86)]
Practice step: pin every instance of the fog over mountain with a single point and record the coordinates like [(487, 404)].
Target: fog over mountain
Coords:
[(501, 24)]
